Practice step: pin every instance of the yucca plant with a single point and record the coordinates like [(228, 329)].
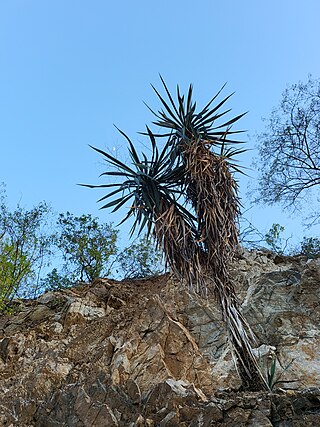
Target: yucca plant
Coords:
[(206, 151), (186, 196)]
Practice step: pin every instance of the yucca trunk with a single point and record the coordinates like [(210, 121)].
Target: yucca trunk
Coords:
[(176, 238), (212, 191)]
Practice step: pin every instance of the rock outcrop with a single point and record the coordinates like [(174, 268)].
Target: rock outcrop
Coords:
[(147, 353)]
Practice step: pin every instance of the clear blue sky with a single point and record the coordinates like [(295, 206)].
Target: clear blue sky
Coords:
[(70, 69)]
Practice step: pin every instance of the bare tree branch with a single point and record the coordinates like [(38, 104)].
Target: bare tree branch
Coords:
[(289, 149)]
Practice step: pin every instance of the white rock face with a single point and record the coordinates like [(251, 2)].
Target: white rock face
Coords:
[(86, 309)]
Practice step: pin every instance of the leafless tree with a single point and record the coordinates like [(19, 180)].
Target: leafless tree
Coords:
[(289, 149)]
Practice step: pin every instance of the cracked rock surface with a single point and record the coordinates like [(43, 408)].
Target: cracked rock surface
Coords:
[(148, 353)]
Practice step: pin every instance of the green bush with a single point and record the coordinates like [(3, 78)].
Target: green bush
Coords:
[(55, 281), (310, 247), (24, 250), (140, 259), (87, 247), (274, 240)]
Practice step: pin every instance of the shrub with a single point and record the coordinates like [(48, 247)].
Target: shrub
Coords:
[(141, 259)]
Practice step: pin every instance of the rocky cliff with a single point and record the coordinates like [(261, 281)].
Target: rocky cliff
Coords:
[(147, 353)]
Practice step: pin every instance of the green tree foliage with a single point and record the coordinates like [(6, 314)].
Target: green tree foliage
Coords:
[(88, 250), (274, 240), (56, 280), (24, 246), (87, 247), (15, 267), (289, 149), (140, 259), (310, 247), (252, 238)]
